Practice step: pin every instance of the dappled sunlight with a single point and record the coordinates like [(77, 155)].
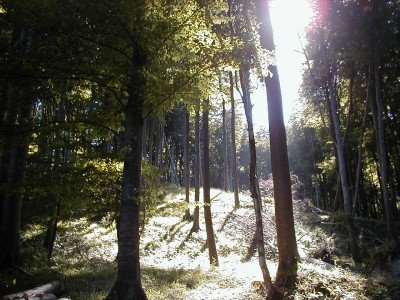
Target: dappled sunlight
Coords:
[(167, 244), (175, 262)]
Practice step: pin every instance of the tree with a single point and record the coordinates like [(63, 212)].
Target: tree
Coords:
[(212, 250), (128, 283), (186, 160), (233, 138), (255, 195), (225, 145), (339, 145), (16, 116), (288, 255), (195, 226), (380, 133)]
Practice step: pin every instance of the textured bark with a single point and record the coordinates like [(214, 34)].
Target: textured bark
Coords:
[(259, 235), (195, 227), (233, 138), (212, 249), (128, 284), (55, 288), (287, 248)]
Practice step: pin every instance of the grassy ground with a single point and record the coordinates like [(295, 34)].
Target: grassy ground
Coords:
[(175, 264)]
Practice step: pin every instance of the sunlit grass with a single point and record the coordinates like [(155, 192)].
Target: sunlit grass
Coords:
[(175, 263)]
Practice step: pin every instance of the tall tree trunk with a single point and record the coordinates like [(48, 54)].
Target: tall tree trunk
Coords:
[(259, 235), (8, 117), (145, 136), (225, 145), (383, 165), (356, 197), (233, 138), (212, 249), (152, 120), (15, 177), (355, 251), (128, 284), (52, 230), (159, 145), (186, 166), (195, 227), (287, 247), (58, 158)]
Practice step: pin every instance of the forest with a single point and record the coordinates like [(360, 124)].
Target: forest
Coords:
[(131, 167)]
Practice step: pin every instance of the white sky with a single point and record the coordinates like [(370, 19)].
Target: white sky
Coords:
[(289, 18)]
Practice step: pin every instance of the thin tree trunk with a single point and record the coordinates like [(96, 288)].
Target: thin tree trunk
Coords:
[(186, 166), (195, 227), (53, 230), (212, 249), (145, 136), (225, 145), (336, 202), (159, 145), (233, 137), (356, 197), (172, 169), (259, 235), (152, 125), (287, 247), (58, 158), (355, 251), (383, 165)]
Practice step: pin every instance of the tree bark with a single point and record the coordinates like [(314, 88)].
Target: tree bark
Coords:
[(259, 235), (186, 166), (128, 284), (287, 247), (356, 197), (225, 145), (11, 220), (55, 288), (212, 249), (338, 140), (233, 138), (152, 125), (195, 227), (18, 110), (380, 132)]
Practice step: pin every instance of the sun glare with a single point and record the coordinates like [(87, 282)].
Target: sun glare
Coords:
[(289, 20)]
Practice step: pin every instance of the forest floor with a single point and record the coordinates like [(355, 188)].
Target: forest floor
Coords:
[(175, 263)]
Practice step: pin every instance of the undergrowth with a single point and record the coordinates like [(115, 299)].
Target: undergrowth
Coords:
[(175, 263)]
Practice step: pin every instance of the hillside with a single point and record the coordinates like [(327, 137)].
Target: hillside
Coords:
[(175, 263)]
